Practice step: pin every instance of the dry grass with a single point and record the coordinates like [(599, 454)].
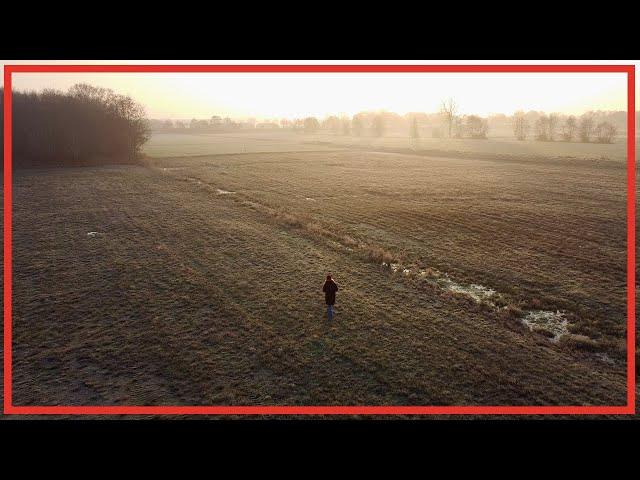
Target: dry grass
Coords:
[(580, 342), (191, 297)]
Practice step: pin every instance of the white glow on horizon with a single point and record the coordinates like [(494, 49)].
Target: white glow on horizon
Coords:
[(291, 95)]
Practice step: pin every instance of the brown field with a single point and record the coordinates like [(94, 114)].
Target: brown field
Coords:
[(189, 294)]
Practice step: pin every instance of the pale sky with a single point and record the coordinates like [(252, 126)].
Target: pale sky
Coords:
[(289, 95)]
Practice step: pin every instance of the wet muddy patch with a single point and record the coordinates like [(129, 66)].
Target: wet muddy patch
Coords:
[(197, 181), (478, 292), (551, 324), (604, 358)]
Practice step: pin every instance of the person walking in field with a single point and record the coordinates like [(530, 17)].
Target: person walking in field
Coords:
[(330, 288)]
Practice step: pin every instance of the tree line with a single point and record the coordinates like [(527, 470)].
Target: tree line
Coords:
[(215, 124), (86, 125), (377, 124), (601, 127), (549, 128)]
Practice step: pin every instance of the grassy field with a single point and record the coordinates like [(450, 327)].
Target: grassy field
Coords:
[(168, 145), (196, 280), (494, 147)]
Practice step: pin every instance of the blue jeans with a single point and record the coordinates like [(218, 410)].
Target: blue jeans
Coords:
[(330, 312)]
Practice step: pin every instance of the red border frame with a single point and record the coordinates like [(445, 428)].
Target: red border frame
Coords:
[(629, 408)]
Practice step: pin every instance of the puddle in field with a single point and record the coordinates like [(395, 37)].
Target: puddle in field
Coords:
[(194, 180), (603, 357), (553, 322), (94, 234), (478, 292), (219, 191), (475, 291)]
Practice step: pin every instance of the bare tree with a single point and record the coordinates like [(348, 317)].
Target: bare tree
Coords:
[(459, 127), (586, 127), (298, 125), (476, 127), (605, 132), (311, 125), (569, 128), (346, 125), (552, 126), (413, 130), (542, 128), (332, 124), (357, 125), (520, 125), (378, 126), (449, 110)]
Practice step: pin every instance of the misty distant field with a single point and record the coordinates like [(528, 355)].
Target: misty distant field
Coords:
[(169, 144), (493, 145), (196, 280)]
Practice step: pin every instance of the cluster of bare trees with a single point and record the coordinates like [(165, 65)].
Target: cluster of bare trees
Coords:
[(85, 126), (218, 124), (337, 125), (598, 126), (311, 125), (447, 122), (357, 126), (215, 123), (414, 132), (471, 126), (549, 128)]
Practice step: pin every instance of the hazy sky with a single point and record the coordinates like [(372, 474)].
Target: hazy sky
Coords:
[(287, 95)]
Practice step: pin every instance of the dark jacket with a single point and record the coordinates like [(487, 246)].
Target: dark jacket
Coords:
[(330, 288)]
